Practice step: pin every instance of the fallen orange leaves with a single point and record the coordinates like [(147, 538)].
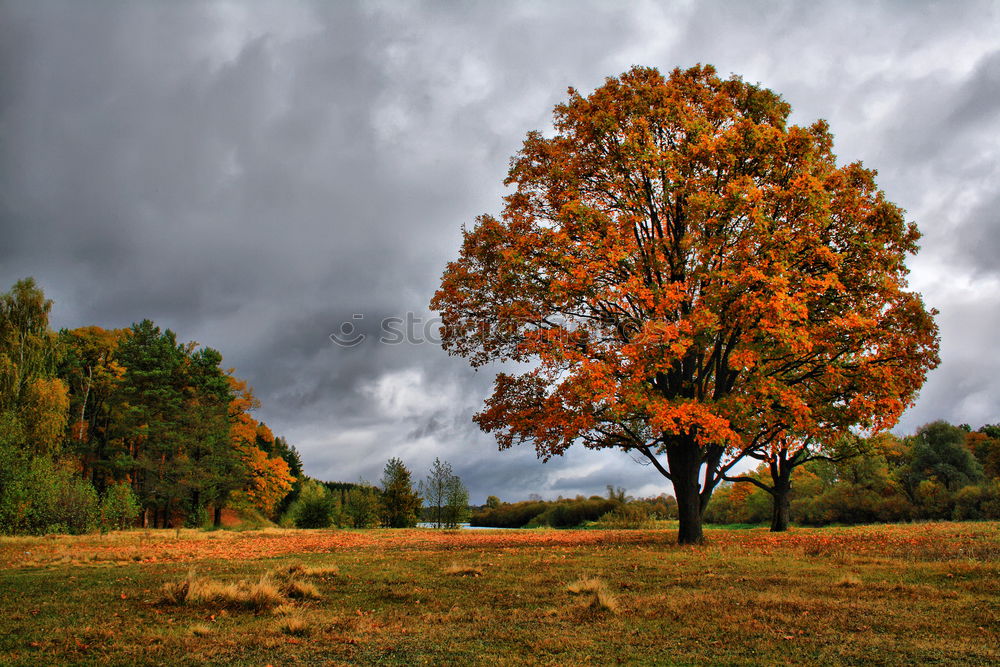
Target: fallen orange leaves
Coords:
[(932, 541)]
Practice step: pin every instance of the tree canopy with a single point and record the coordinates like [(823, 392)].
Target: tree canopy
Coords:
[(691, 279)]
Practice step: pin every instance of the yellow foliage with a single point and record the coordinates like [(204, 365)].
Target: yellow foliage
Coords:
[(45, 413)]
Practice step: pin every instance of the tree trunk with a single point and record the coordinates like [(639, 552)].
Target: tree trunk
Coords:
[(781, 478), (196, 507), (685, 464), (780, 509), (217, 518)]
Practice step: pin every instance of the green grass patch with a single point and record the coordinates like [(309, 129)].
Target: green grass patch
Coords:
[(914, 594)]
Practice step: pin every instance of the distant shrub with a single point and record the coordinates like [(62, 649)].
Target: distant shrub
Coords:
[(968, 500), (508, 515), (198, 517), (361, 509), (572, 513), (556, 514), (314, 508), (990, 505), (119, 507), (977, 502), (934, 501), (78, 507), (631, 516)]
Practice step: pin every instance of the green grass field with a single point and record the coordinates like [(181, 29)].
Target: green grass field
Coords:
[(909, 594)]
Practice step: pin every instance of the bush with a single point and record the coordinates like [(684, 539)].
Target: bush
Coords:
[(977, 502), (314, 508), (44, 496), (119, 508), (361, 508), (990, 504), (630, 516), (78, 509), (934, 501), (508, 515), (534, 513), (571, 513)]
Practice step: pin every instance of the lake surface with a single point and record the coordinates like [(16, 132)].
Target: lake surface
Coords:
[(464, 526)]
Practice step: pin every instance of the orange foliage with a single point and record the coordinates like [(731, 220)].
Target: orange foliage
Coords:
[(899, 541), (268, 479), (688, 275)]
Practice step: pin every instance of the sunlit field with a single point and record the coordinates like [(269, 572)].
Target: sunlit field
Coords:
[(905, 594)]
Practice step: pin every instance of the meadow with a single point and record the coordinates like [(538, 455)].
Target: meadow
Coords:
[(899, 594)]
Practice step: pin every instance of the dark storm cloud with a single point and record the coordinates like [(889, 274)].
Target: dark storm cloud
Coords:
[(255, 175)]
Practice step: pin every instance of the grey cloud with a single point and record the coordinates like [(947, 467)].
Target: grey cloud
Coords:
[(254, 175)]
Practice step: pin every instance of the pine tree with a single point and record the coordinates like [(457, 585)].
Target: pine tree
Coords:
[(400, 503)]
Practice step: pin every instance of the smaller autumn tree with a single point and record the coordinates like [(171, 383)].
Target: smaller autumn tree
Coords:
[(400, 504), (781, 458), (683, 275)]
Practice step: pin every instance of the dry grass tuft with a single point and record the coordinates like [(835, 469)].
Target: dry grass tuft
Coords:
[(295, 626), (283, 610), (175, 592), (294, 588), (201, 630), (600, 598), (585, 585), (260, 596), (849, 581), (296, 570), (463, 570), (257, 596), (292, 570)]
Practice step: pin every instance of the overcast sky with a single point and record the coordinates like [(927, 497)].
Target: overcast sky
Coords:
[(254, 174)]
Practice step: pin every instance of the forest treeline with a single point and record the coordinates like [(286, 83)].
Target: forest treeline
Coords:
[(441, 500), (617, 510), (942, 471), (111, 428), (105, 428)]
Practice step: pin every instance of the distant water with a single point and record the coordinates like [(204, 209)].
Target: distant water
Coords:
[(425, 524)]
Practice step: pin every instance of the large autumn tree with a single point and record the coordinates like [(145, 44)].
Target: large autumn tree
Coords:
[(688, 278)]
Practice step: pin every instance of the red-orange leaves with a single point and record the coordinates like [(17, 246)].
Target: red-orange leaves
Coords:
[(683, 270)]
